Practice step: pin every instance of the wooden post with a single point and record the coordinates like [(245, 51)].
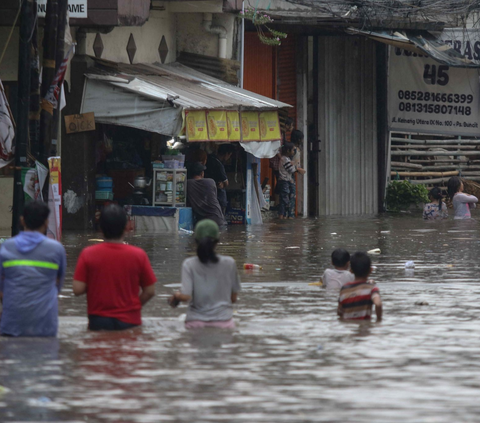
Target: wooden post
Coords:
[(24, 68)]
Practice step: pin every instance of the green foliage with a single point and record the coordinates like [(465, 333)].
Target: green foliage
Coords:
[(171, 152), (402, 194), (266, 34)]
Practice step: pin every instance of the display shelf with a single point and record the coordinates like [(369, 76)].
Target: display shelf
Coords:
[(169, 187)]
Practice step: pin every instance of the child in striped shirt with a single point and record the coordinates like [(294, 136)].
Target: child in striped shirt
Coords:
[(286, 184), (357, 297)]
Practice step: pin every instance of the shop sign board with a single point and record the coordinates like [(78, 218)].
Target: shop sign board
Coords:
[(233, 126), (426, 96), (196, 126), (77, 9), (227, 125), (250, 126), (269, 126), (217, 125), (80, 123)]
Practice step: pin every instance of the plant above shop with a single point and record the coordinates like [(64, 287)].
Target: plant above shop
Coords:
[(266, 34), (401, 195)]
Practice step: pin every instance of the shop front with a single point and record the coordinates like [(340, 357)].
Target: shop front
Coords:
[(153, 122)]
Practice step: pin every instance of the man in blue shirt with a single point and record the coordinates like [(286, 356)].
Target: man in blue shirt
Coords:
[(32, 270)]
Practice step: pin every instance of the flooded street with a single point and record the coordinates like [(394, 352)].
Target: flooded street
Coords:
[(290, 359)]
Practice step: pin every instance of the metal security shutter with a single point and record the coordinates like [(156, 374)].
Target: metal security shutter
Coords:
[(348, 172)]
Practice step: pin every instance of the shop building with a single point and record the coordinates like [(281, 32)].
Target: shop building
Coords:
[(196, 33), (336, 58)]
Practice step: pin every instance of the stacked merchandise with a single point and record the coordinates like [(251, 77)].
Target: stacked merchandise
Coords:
[(104, 188)]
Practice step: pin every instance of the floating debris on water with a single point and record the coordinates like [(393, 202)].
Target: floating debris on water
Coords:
[(95, 240), (409, 264), (374, 251), (422, 303), (250, 266)]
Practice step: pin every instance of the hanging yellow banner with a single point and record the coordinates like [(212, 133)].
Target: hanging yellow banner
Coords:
[(196, 125), (250, 127), (269, 126), (233, 125), (217, 125)]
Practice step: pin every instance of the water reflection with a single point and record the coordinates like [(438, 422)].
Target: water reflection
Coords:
[(290, 359)]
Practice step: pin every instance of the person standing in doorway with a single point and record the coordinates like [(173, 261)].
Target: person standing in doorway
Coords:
[(286, 182), (32, 272), (216, 171), (275, 161), (296, 138), (202, 197), (117, 278)]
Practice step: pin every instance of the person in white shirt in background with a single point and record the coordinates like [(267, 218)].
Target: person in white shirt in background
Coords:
[(462, 203), (336, 278)]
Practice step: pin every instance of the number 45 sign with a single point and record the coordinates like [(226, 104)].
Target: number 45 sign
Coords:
[(425, 96), (431, 77)]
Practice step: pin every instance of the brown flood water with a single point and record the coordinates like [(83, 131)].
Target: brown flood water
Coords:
[(290, 359)]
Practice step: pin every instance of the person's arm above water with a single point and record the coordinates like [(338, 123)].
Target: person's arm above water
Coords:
[(61, 269), (186, 291), (147, 281), (80, 277), (340, 311), (466, 198), (79, 288), (147, 294), (378, 306), (237, 285)]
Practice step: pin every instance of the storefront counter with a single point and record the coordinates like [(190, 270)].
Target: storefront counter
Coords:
[(160, 219)]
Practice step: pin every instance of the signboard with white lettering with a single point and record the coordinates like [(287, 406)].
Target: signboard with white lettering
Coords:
[(77, 9), (428, 97)]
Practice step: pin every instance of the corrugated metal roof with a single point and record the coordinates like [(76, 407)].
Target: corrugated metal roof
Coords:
[(183, 86)]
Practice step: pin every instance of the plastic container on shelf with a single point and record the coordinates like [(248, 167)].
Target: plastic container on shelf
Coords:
[(174, 162), (104, 195), (104, 183)]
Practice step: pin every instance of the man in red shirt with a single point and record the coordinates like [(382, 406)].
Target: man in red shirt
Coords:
[(117, 278)]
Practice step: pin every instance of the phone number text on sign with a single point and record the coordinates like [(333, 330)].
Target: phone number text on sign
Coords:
[(425, 96)]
